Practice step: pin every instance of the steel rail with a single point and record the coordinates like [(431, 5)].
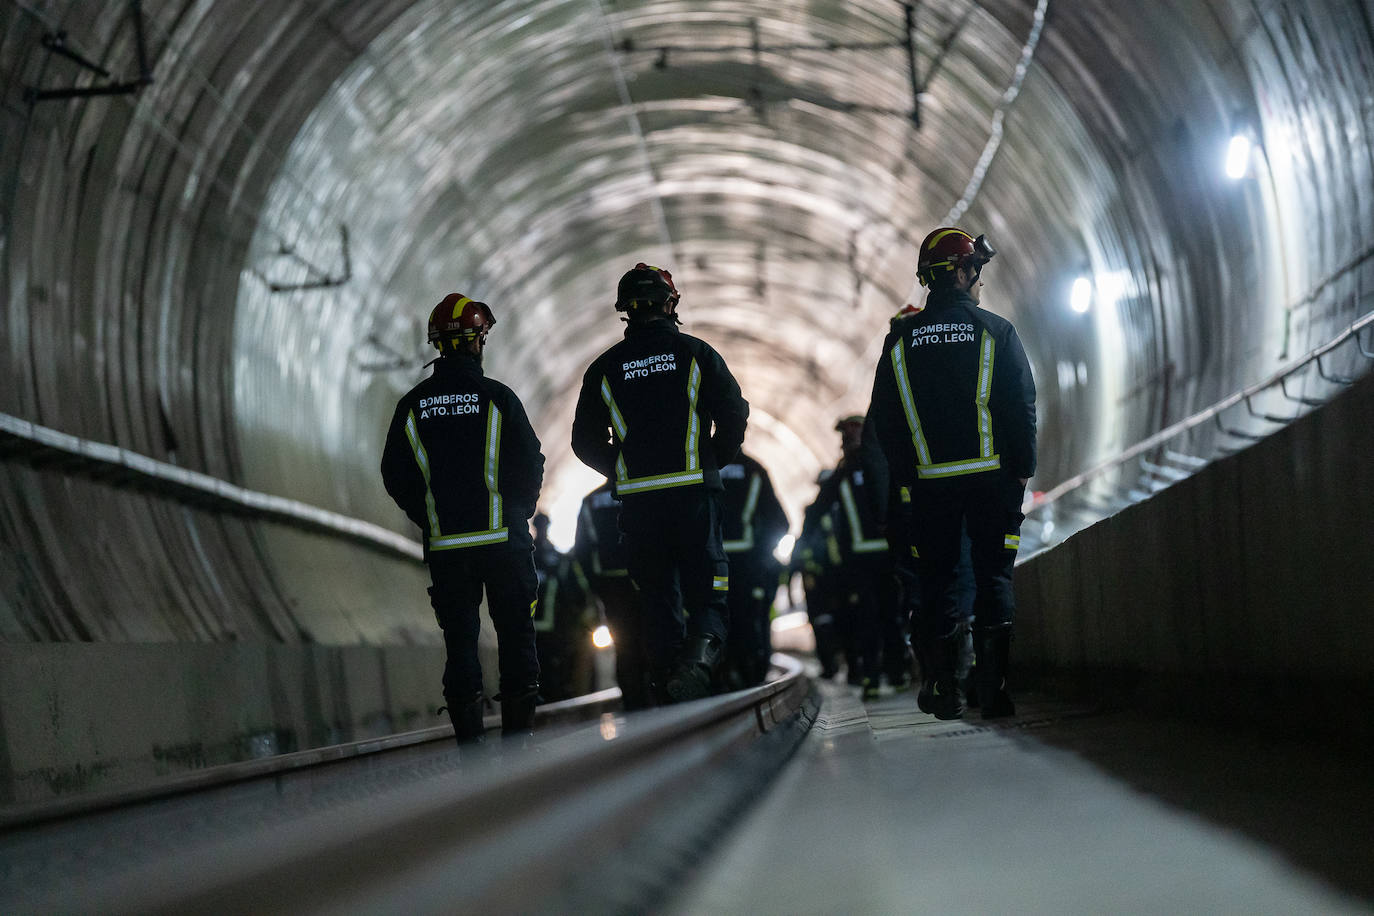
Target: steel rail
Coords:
[(604, 820), (30, 813)]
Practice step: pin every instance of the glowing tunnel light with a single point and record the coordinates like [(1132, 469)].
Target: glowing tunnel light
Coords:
[(601, 637), (1238, 157), (1081, 296)]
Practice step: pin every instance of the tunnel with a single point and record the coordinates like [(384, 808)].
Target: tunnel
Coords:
[(225, 223)]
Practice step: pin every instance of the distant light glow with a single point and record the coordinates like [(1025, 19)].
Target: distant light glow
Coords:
[(783, 552), (1238, 157), (1082, 295), (1110, 285), (601, 637), (790, 621), (564, 501)]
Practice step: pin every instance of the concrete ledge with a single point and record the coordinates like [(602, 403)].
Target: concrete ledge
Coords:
[(81, 716), (1245, 591)]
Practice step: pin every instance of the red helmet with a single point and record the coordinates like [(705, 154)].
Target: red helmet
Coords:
[(905, 311), (458, 317), (645, 285), (947, 249)]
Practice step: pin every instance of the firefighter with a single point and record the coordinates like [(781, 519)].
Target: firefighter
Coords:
[(601, 554), (753, 522), (954, 408), (867, 573), (644, 419), (816, 557), (563, 622), (462, 461)]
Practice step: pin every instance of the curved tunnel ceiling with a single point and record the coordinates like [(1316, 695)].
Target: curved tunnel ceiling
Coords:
[(528, 152)]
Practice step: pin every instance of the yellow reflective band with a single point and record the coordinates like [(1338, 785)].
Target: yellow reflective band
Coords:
[(462, 303), (913, 421), (957, 468), (470, 539), (935, 241), (1012, 541), (751, 501), (905, 493), (915, 553), (658, 482), (493, 463), (543, 623), (720, 583), (422, 459), (857, 542), (617, 420), (693, 422), (986, 353)]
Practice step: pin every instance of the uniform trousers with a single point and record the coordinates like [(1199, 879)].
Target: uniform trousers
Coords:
[(988, 507), (673, 549), (506, 573), (621, 603)]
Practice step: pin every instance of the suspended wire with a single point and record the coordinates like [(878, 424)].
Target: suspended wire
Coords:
[(636, 128), (995, 135), (980, 170)]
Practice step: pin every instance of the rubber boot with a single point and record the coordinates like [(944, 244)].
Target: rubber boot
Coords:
[(517, 712), (946, 700), (994, 652), (691, 676), (467, 719)]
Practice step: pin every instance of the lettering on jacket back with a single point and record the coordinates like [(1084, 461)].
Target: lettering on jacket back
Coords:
[(640, 368), (944, 332), (449, 405)]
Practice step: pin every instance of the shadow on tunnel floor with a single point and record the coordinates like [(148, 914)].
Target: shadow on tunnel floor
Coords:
[(1309, 799)]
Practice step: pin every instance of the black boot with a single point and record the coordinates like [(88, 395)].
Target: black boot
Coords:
[(467, 718), (517, 711), (946, 699), (994, 652), (691, 676), (967, 668)]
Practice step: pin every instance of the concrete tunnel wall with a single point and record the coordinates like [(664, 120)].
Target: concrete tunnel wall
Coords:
[(138, 230), (1244, 593)]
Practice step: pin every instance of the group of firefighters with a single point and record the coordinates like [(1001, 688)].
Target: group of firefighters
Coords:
[(918, 525)]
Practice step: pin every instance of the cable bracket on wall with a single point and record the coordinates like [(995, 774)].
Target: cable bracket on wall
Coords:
[(56, 43), (321, 279), (755, 96)]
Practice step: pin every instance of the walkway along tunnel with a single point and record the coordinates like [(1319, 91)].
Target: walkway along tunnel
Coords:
[(222, 226)]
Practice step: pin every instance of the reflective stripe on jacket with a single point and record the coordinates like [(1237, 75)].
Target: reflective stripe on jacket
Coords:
[(647, 405), (953, 394), (461, 459)]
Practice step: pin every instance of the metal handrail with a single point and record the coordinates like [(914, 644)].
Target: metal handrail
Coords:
[(1214, 413), (129, 468)]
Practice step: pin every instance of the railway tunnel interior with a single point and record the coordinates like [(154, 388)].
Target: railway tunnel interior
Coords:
[(224, 225)]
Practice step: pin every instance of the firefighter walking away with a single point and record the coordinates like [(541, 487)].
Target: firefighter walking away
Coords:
[(954, 410), (462, 461), (659, 414)]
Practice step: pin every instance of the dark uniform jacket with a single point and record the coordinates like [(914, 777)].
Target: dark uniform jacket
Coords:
[(597, 543), (462, 460), (862, 508), (817, 550), (953, 395), (752, 519), (646, 407)]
